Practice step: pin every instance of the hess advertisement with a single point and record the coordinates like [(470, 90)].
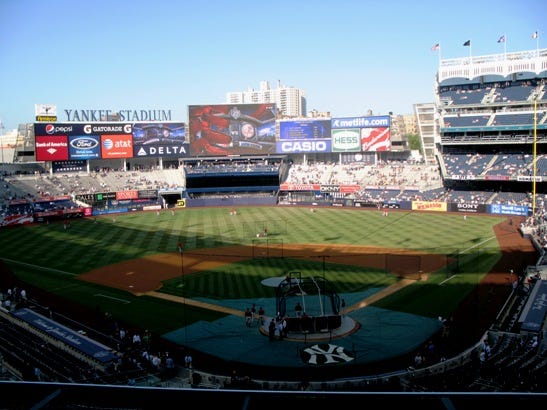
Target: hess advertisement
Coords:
[(232, 129)]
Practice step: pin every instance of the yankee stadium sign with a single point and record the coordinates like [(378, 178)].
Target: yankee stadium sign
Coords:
[(122, 115)]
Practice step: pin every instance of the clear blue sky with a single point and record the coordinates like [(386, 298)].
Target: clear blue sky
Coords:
[(347, 55)]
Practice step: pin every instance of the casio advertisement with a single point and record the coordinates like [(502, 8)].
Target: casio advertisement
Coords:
[(303, 146)]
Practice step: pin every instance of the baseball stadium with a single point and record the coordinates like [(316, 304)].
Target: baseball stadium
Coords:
[(240, 258)]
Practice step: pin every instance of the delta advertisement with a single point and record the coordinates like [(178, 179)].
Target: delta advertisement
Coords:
[(160, 139), (75, 141), (304, 136), (232, 129)]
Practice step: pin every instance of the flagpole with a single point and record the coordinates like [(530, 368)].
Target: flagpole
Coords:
[(534, 159), (440, 48), (505, 46), (470, 55)]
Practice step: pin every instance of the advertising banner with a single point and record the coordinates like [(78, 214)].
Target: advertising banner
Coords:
[(82, 141), (84, 147), (300, 187), (129, 194), (429, 206), (45, 112), (232, 129), (374, 133), (160, 140), (51, 148), (346, 140), (303, 146), (361, 122), (116, 146), (466, 207), (509, 209), (375, 139)]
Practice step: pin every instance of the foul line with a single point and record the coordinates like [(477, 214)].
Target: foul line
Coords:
[(30, 265), (466, 250), (479, 244), (447, 279), (124, 301)]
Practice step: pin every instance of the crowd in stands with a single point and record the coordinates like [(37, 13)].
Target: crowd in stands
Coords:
[(32, 357), (384, 181), (473, 166), (403, 174), (394, 181)]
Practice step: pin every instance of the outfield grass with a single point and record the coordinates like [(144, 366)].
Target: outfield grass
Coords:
[(51, 258)]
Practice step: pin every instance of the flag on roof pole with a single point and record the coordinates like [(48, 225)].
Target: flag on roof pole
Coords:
[(467, 43), (535, 36), (503, 39), (436, 47)]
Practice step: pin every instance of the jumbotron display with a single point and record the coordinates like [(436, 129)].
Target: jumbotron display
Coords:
[(232, 129)]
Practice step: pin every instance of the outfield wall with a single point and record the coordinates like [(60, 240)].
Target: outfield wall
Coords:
[(121, 202)]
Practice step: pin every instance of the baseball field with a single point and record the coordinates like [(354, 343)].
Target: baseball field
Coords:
[(131, 267)]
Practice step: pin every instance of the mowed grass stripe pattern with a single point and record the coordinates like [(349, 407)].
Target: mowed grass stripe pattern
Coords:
[(89, 245)]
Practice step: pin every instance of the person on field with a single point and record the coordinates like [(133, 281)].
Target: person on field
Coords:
[(248, 317), (298, 309), (271, 329)]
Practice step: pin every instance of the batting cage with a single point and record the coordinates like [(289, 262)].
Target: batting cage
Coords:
[(309, 304), (267, 247)]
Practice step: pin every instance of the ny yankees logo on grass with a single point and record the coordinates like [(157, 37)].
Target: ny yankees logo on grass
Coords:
[(325, 353)]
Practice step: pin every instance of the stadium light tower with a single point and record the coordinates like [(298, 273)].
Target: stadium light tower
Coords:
[(534, 159), (181, 252)]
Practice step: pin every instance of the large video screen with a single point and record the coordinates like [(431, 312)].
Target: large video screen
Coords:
[(160, 139), (232, 129), (304, 136)]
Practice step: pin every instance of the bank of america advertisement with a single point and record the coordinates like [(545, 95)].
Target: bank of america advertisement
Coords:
[(232, 129), (374, 133), (304, 136)]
